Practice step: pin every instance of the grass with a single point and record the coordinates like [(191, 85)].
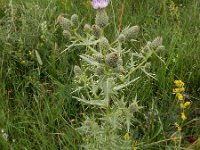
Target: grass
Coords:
[(36, 108)]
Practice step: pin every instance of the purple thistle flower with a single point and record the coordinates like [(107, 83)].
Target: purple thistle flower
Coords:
[(99, 4)]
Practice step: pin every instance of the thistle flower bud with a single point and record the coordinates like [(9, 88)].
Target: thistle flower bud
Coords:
[(87, 28), (66, 34), (103, 43), (74, 19), (131, 32), (97, 32), (101, 18), (121, 38), (99, 70), (112, 59), (66, 24), (77, 71), (99, 57), (157, 42)]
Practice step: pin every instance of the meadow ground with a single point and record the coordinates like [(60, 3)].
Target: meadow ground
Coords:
[(37, 110)]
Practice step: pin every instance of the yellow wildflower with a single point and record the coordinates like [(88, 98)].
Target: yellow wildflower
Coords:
[(179, 90), (182, 106), (187, 103), (177, 126), (183, 117), (179, 96), (179, 83), (126, 136)]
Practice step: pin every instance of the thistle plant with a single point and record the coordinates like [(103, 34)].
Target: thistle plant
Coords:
[(107, 68)]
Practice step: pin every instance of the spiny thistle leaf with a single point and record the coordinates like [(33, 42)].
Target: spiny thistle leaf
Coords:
[(89, 60), (121, 86), (100, 103)]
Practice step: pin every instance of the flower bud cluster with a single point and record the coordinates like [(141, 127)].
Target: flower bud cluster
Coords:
[(156, 45), (64, 23), (129, 33), (68, 24)]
